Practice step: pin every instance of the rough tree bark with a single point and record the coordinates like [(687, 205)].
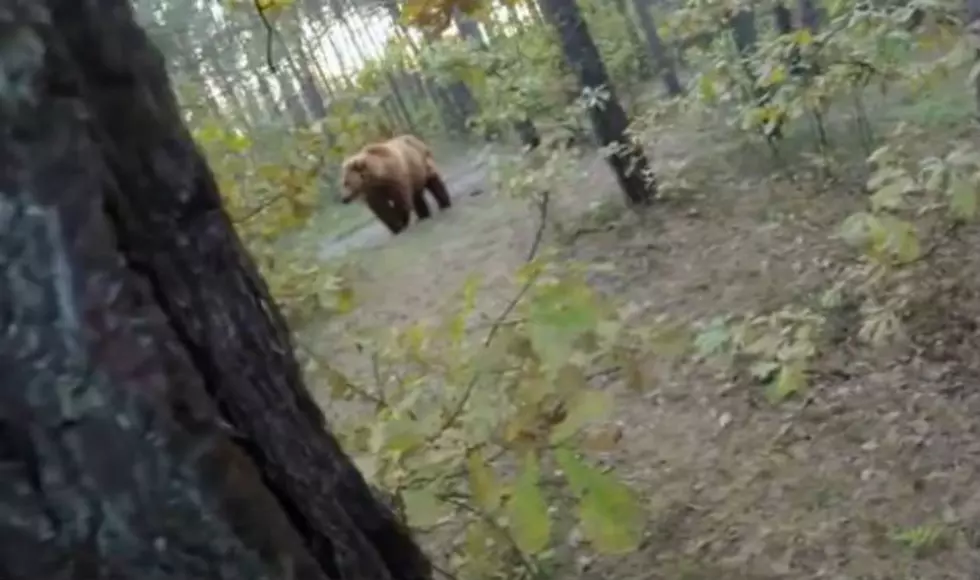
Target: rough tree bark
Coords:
[(153, 421), (628, 161)]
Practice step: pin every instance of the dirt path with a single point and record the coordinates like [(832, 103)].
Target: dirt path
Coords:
[(839, 484)]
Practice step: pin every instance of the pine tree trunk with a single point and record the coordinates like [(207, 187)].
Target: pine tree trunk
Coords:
[(609, 122), (526, 131), (154, 421), (668, 72)]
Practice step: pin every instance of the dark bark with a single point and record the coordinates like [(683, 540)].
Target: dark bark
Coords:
[(809, 15), (154, 421), (744, 34), (668, 72), (629, 163), (783, 18)]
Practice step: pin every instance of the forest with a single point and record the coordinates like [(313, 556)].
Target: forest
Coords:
[(703, 306)]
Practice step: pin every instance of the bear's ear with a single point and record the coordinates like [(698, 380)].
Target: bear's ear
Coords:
[(358, 164)]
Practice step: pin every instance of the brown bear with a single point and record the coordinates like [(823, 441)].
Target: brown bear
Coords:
[(392, 177)]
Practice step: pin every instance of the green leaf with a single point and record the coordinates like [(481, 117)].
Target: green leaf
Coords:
[(584, 408), (527, 511), (962, 199), (401, 434), (422, 508), (713, 338), (899, 238), (707, 89), (855, 229), (763, 370), (483, 485), (891, 196), (558, 316), (790, 380), (610, 514)]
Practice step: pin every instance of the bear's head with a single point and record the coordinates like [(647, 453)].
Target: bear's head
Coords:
[(357, 173)]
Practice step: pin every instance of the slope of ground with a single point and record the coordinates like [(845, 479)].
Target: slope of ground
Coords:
[(869, 475)]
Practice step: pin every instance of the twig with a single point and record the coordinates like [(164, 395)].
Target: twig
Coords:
[(443, 571), (532, 252), (529, 564), (269, 32), (502, 317), (378, 399), (311, 174)]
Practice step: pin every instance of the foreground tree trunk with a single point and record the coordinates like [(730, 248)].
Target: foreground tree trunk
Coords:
[(629, 163), (154, 422)]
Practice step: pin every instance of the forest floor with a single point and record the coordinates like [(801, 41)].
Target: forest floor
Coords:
[(871, 474)]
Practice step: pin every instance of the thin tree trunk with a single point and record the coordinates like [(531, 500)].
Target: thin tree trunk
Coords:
[(973, 28), (628, 162), (668, 72), (633, 35), (524, 127), (809, 15), (155, 422)]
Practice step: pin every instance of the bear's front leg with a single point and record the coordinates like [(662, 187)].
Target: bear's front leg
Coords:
[(394, 216), (421, 208)]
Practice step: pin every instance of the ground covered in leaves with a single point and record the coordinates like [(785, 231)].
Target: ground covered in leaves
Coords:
[(869, 473)]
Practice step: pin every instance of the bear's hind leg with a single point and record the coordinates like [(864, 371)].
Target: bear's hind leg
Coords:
[(421, 208), (439, 191)]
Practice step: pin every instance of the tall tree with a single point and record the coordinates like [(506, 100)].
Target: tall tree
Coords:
[(663, 60), (809, 15), (973, 29), (609, 122), (469, 30), (155, 424)]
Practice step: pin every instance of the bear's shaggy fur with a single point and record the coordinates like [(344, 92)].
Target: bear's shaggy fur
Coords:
[(391, 177)]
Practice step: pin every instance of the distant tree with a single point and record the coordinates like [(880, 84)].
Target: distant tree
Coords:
[(609, 121), (470, 31), (668, 71), (973, 28), (154, 420)]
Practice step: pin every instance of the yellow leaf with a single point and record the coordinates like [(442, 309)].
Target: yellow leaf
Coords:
[(776, 76), (483, 485), (707, 89), (585, 407), (611, 517), (422, 508), (962, 199), (527, 511), (803, 37), (401, 435), (344, 300), (896, 237), (891, 196), (790, 380), (340, 385)]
